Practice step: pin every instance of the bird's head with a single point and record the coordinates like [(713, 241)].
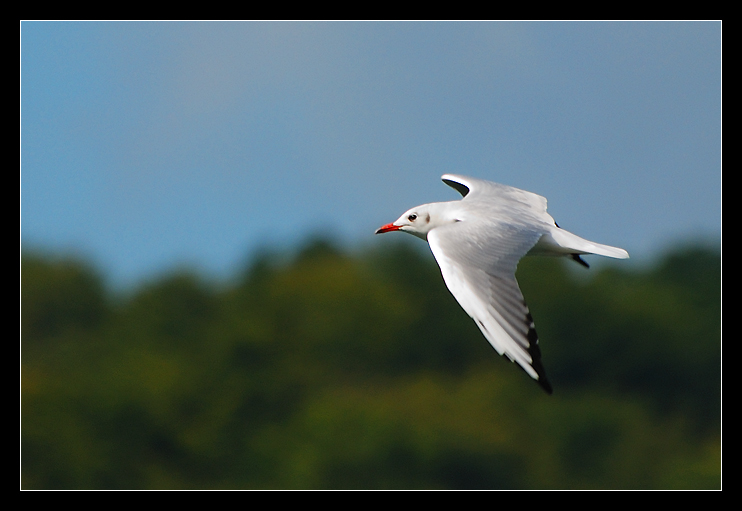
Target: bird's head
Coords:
[(416, 221)]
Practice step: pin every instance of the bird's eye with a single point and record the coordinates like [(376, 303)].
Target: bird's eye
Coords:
[(412, 218)]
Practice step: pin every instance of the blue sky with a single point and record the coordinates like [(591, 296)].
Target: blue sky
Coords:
[(150, 145)]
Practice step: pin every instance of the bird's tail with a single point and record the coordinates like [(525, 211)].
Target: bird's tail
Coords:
[(561, 242)]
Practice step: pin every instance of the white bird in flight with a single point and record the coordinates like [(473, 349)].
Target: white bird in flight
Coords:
[(478, 242)]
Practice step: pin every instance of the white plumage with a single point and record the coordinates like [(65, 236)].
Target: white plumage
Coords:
[(478, 241)]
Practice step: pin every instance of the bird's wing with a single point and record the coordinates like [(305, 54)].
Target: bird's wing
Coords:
[(506, 197), (478, 262)]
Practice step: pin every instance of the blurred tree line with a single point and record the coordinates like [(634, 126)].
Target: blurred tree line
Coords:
[(338, 370)]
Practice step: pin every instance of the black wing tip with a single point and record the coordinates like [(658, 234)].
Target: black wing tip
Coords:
[(459, 187), (539, 368), (535, 352), (580, 260), (544, 384), (576, 257), (542, 381)]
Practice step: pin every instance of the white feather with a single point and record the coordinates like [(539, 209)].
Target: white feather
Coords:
[(478, 241)]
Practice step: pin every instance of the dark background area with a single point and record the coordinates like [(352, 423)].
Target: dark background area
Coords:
[(324, 368)]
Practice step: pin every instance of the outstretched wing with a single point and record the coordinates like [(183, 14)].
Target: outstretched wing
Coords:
[(495, 194), (478, 262)]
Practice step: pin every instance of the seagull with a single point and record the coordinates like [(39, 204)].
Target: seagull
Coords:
[(478, 242)]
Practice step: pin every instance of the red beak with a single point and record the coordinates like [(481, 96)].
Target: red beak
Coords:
[(387, 228)]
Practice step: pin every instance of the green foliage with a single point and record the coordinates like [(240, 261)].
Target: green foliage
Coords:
[(333, 370), (59, 296)]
